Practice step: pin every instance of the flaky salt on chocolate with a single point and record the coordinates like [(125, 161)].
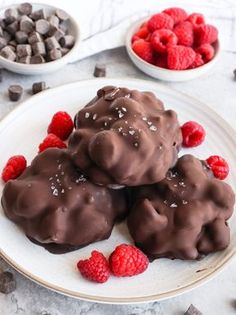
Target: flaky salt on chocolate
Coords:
[(125, 137)]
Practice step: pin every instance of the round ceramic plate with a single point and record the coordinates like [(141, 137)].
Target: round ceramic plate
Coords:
[(22, 131)]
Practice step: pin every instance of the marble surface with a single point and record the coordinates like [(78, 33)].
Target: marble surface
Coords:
[(218, 297)]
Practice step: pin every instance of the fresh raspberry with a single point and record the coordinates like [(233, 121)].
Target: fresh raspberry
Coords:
[(14, 167), (161, 39), (219, 166), (198, 61), (127, 260), (96, 268), (61, 125), (159, 21), (205, 34), (143, 49), (206, 51), (193, 134), (161, 61), (51, 141), (196, 19), (180, 57), (185, 34), (141, 33), (177, 14)]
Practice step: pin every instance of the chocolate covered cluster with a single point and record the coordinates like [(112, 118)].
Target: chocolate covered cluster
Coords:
[(183, 216), (125, 138)]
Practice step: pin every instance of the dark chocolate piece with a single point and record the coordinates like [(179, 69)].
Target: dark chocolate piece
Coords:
[(34, 37), (183, 216), (25, 8), (21, 37), (38, 87), (62, 15), (67, 41), (37, 59), (39, 48), (125, 137), (192, 310), (57, 206), (8, 53), (99, 70), (38, 15), (15, 92), (42, 26), (7, 282), (55, 54), (26, 24), (11, 15), (12, 28), (23, 50), (52, 43)]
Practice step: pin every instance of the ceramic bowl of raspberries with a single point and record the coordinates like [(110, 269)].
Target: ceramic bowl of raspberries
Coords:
[(173, 45)]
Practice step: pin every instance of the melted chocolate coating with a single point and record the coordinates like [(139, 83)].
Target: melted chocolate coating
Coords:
[(185, 215), (58, 207), (125, 137)]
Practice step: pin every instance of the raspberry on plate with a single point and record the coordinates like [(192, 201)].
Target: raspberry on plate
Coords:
[(219, 166), (14, 167), (177, 14), (193, 134), (196, 19), (205, 34), (127, 260), (161, 39), (51, 141), (61, 125), (159, 21), (184, 32), (206, 51), (96, 268), (198, 61), (143, 49), (180, 57)]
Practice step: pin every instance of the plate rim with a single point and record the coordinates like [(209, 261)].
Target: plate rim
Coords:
[(111, 300)]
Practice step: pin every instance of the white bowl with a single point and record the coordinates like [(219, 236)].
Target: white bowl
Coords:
[(33, 69), (162, 73)]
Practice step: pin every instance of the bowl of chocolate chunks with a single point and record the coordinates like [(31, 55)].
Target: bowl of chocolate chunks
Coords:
[(37, 38)]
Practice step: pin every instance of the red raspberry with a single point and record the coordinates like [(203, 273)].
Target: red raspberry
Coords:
[(193, 134), (61, 125), (206, 51), (159, 21), (51, 141), (205, 34), (161, 39), (219, 166), (14, 167), (96, 268), (184, 32), (143, 49), (196, 19), (127, 260), (141, 33), (198, 61), (161, 61), (177, 14), (180, 57)]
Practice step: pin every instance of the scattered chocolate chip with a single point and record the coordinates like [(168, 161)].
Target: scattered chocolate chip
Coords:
[(23, 50), (192, 310), (42, 26), (37, 59), (8, 53), (62, 15), (99, 70), (7, 282), (25, 8), (67, 41), (21, 37), (15, 92), (26, 24), (38, 87)]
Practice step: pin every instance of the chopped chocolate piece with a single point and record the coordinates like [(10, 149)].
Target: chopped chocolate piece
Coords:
[(62, 15), (38, 87), (21, 37), (42, 26), (25, 8), (64, 51), (11, 15), (7, 282), (53, 20), (192, 310), (23, 50), (15, 92), (37, 59), (39, 48), (100, 70), (34, 37), (55, 54), (52, 43), (12, 28), (26, 24), (3, 42), (38, 15), (25, 59), (8, 53), (67, 41)]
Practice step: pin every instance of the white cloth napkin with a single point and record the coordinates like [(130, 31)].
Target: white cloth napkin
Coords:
[(104, 23)]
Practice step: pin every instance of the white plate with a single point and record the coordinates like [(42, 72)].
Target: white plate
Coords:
[(21, 132)]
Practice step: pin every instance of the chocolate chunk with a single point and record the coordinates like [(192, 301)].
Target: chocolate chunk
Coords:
[(55, 54), (53, 20), (64, 27), (62, 15), (64, 51), (8, 53), (11, 15), (52, 43), (67, 41), (38, 15), (25, 8), (192, 310), (12, 28), (3, 42), (39, 48), (7, 282), (25, 60), (37, 59), (38, 87), (23, 50), (21, 37), (7, 36), (26, 24), (34, 37), (99, 70), (15, 92), (42, 26), (58, 34)]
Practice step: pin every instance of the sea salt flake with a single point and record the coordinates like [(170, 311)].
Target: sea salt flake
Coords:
[(120, 129), (86, 115), (173, 205), (59, 167), (149, 123), (126, 122), (58, 180), (144, 118), (131, 132), (124, 109), (136, 144), (105, 123), (153, 128), (175, 185), (62, 173), (184, 202), (109, 118), (182, 184), (120, 114), (127, 95), (95, 116), (165, 202), (51, 178), (69, 188), (62, 191), (81, 179), (55, 192), (53, 187)]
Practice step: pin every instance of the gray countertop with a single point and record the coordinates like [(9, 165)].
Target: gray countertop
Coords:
[(217, 297)]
